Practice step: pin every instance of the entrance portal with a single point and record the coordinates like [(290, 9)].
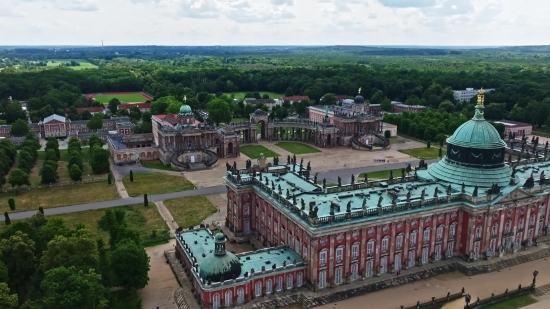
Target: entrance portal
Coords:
[(230, 149), (262, 128)]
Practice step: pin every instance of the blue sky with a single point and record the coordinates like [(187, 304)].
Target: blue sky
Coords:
[(275, 22)]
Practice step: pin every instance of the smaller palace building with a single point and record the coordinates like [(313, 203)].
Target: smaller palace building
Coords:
[(223, 279)]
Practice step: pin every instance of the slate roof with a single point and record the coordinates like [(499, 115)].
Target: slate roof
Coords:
[(54, 117)]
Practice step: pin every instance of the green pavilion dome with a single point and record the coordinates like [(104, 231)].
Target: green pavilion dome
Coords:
[(186, 110), (220, 265), (475, 154)]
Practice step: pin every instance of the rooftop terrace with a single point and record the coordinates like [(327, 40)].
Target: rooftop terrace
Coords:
[(318, 207)]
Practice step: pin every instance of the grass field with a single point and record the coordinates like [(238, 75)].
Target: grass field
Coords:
[(65, 154), (59, 196), (240, 120), (124, 98), (240, 95), (297, 148), (190, 211), (62, 171), (385, 174), (157, 166), (84, 64), (424, 152), (153, 183), (253, 151), (513, 303)]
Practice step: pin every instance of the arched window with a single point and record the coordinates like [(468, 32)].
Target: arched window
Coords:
[(427, 235), (508, 227), (494, 229), (413, 237), (385, 244), (299, 280), (532, 220), (240, 295), (322, 278), (338, 275), (355, 250), (521, 223), (289, 282), (370, 247), (258, 288), (478, 232), (399, 241), (439, 232), (268, 286), (279, 286), (228, 298), (339, 254), (216, 301)]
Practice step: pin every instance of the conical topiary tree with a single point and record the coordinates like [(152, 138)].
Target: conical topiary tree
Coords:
[(11, 203), (131, 176)]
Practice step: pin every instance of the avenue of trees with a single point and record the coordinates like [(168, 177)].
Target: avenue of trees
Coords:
[(43, 261)]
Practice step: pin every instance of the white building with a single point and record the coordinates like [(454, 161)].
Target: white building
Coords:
[(466, 95)]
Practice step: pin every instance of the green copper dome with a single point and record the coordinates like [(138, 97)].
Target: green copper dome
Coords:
[(220, 265), (477, 133), (185, 110)]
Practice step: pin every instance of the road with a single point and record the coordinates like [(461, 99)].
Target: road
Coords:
[(332, 177)]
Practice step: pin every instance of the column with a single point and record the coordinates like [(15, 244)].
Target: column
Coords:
[(459, 232), (378, 248), (312, 253), (406, 240), (347, 262), (363, 253), (331, 260), (391, 259), (446, 229), (420, 238)]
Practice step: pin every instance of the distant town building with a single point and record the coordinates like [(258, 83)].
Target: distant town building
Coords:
[(295, 98), (143, 107), (518, 128), (468, 94), (92, 110), (268, 102), (389, 127)]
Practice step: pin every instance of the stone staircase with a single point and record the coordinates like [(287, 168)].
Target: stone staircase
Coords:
[(522, 257), (180, 299), (542, 290)]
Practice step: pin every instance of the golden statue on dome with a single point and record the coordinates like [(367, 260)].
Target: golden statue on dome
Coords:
[(480, 96), (185, 98), (359, 90)]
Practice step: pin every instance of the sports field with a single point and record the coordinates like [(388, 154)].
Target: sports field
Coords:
[(84, 64), (123, 97)]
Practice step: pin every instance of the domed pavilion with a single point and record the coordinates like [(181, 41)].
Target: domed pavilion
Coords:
[(185, 110), (221, 265), (475, 154)]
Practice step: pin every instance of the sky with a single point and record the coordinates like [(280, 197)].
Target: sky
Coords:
[(275, 22)]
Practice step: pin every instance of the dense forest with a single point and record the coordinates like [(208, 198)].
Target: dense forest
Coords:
[(413, 76)]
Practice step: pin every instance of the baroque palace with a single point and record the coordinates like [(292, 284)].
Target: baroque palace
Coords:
[(471, 204)]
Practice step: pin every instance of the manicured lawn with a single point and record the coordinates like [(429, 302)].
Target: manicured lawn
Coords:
[(424, 152), (65, 154), (297, 148), (253, 151), (240, 95), (513, 303), (190, 211), (240, 120), (62, 171), (145, 183), (126, 97), (59, 196), (157, 165), (385, 174), (84, 64)]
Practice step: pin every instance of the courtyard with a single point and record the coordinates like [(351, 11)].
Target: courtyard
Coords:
[(297, 148), (254, 151)]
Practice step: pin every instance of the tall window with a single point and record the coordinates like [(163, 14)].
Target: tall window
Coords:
[(289, 282), (339, 254), (299, 280), (338, 275), (440, 232), (532, 220), (494, 229), (268, 286), (304, 252), (216, 301), (297, 245), (258, 289), (322, 278), (240, 295), (478, 232), (413, 238), (323, 258), (520, 223), (399, 241), (385, 243), (279, 286), (228, 298), (426, 235), (370, 247), (508, 227), (354, 271), (354, 251), (452, 230)]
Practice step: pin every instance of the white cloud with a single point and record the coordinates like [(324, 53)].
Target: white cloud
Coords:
[(303, 22)]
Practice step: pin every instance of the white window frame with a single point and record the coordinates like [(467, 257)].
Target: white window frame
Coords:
[(322, 279), (258, 288), (508, 226), (370, 247), (268, 286), (354, 271), (297, 245), (339, 254), (478, 232), (279, 284), (452, 230), (413, 238), (521, 223), (299, 279), (385, 244), (216, 301), (228, 298), (532, 220), (355, 251), (240, 296), (426, 235), (439, 232), (289, 281), (323, 257), (304, 252), (494, 229), (338, 275), (399, 242)]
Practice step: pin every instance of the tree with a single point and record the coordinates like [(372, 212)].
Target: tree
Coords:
[(96, 122), (11, 203), (19, 128), (218, 109), (52, 143), (113, 222), (48, 173), (99, 160), (377, 97), (18, 178), (86, 115), (74, 145), (7, 219), (386, 105), (41, 209), (75, 173), (7, 300), (109, 178), (131, 176), (78, 250), (447, 106), (75, 159), (130, 265), (145, 200), (113, 105), (289, 92), (429, 144), (70, 287), (94, 141), (9, 148), (50, 155), (18, 255), (329, 99)]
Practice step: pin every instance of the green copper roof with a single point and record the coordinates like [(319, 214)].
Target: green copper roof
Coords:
[(185, 110), (471, 176), (477, 133)]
